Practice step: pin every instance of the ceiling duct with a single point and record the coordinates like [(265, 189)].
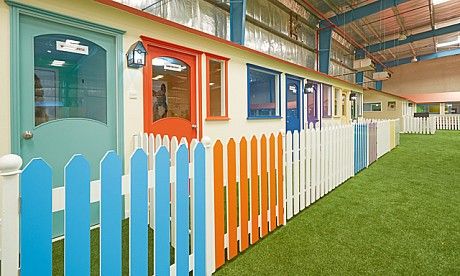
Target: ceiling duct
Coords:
[(364, 64)]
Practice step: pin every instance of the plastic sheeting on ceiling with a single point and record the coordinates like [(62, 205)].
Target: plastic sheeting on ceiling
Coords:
[(209, 18)]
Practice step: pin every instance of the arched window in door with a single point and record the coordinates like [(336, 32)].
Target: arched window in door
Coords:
[(170, 88), (70, 79)]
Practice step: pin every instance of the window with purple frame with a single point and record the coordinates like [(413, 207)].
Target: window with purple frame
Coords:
[(327, 101)]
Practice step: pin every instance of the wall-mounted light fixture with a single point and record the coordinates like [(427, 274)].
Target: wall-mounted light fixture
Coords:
[(353, 96), (309, 88), (136, 55)]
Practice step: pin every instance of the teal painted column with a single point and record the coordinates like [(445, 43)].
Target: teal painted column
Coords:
[(237, 21), (324, 47), (359, 77), (378, 84)]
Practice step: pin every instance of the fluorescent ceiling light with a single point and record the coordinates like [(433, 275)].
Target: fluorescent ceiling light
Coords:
[(58, 63), (211, 84), (436, 2), (450, 43), (158, 77)]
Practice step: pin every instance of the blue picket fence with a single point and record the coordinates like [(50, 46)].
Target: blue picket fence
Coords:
[(36, 214), (360, 145)]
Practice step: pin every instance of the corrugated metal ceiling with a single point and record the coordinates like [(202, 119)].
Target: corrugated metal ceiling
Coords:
[(410, 17)]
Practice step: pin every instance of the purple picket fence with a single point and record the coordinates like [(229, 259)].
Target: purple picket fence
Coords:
[(372, 142)]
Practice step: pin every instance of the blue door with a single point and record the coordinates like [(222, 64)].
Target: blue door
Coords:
[(293, 104)]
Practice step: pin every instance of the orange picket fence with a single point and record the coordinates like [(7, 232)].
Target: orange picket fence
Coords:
[(248, 193)]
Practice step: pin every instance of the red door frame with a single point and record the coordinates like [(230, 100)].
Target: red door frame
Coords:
[(187, 55)]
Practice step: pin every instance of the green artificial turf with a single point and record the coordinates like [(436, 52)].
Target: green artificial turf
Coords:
[(399, 216)]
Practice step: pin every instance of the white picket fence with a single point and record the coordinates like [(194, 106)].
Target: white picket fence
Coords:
[(383, 134), (419, 125), (448, 122), (317, 161)]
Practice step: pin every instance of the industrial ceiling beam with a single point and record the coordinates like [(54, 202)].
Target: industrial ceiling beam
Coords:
[(363, 11), (402, 26), (432, 22), (438, 54), (411, 38), (372, 29)]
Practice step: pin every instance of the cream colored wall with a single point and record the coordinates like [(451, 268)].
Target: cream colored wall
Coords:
[(4, 79), (373, 97), (136, 26), (430, 76)]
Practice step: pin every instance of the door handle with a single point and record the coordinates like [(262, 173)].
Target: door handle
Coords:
[(27, 135)]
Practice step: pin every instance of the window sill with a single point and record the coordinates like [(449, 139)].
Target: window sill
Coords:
[(264, 117), (217, 118)]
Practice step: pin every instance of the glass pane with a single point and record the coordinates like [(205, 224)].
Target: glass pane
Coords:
[(344, 111), (311, 112), (170, 88), (453, 108), (376, 107), (327, 91), (292, 94), (263, 89), (216, 88), (422, 108), (434, 108), (70, 76)]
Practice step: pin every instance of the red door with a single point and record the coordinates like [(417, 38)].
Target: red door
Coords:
[(170, 93)]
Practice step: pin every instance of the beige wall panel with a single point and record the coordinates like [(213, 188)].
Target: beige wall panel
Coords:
[(430, 76)]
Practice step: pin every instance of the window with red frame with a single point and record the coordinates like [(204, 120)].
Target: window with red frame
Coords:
[(216, 88)]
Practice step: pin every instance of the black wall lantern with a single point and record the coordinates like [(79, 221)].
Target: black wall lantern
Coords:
[(309, 88), (136, 55), (353, 96)]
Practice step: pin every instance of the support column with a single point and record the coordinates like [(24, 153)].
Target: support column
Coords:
[(359, 77), (237, 21), (324, 47), (378, 84)]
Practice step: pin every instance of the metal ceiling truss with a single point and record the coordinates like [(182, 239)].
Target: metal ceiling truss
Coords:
[(438, 54), (363, 11), (412, 38)]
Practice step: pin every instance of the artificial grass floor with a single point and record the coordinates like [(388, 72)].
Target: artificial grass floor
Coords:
[(399, 216)]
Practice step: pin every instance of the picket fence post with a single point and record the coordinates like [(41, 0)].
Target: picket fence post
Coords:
[(9, 180), (210, 264)]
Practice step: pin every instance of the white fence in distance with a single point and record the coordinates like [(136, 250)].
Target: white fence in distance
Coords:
[(448, 122), (419, 125)]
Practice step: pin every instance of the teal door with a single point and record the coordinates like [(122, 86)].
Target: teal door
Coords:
[(67, 90)]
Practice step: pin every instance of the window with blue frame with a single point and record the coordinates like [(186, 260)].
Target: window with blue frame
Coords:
[(263, 92)]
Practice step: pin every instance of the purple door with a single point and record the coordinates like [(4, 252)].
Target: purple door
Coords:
[(312, 105)]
